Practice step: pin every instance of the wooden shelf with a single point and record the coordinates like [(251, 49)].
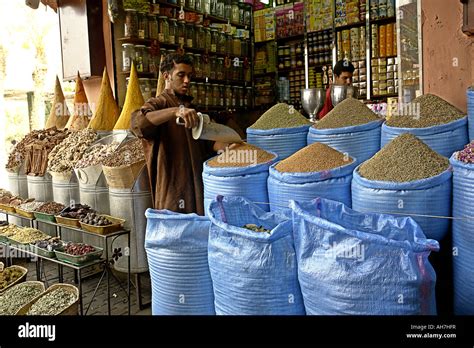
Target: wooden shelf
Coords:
[(270, 73), (220, 82), (289, 38), (135, 41), (350, 26), (392, 95), (141, 74), (385, 20)]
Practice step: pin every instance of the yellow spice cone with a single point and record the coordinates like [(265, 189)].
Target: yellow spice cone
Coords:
[(107, 112), (133, 101), (59, 114), (82, 112), (161, 80)]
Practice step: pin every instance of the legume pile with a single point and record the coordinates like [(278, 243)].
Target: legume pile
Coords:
[(433, 111), (131, 152), (51, 208), (16, 297), (467, 154), (52, 303), (280, 115), (242, 155), (349, 112), (405, 158), (313, 158)]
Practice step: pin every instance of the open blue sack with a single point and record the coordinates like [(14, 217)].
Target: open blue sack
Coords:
[(176, 246), (253, 273), (470, 112), (283, 141), (249, 182), (431, 196), (444, 139), (333, 184), (361, 264), (361, 142), (463, 237)]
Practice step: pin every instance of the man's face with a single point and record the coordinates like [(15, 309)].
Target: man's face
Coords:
[(180, 78), (344, 79)]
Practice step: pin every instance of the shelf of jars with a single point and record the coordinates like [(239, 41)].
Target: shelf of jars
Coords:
[(220, 97)]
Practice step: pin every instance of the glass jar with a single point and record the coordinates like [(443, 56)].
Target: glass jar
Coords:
[(128, 53), (242, 97), (234, 17), (139, 58), (207, 7), (241, 13), (194, 91), (143, 25), (237, 46), (220, 8), (245, 48), (181, 33), (131, 23), (213, 64), (214, 40), (180, 3), (228, 9), (154, 61), (222, 43), (248, 15), (200, 94), (197, 66), (228, 96), (208, 38), (153, 26), (220, 68), (249, 97), (234, 97), (145, 88), (198, 5), (163, 29), (173, 28), (236, 71), (287, 62), (229, 44), (207, 95), (199, 37), (190, 35), (215, 94), (206, 67), (213, 6), (189, 4)]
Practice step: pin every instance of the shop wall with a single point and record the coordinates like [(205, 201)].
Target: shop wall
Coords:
[(443, 41)]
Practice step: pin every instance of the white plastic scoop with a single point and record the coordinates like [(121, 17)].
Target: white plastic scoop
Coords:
[(207, 130)]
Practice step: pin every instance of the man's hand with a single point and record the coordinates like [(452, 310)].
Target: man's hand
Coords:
[(190, 117)]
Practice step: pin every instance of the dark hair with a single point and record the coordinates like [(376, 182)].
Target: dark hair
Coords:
[(167, 65), (343, 66)]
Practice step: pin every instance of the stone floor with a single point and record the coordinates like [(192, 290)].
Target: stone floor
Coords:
[(91, 277)]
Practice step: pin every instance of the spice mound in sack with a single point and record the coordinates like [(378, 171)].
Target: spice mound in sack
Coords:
[(425, 111), (405, 158), (242, 155), (280, 115), (255, 228), (349, 112), (467, 154), (313, 158), (131, 152)]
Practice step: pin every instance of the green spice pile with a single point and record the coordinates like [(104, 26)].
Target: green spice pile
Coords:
[(17, 296), (426, 111), (256, 228), (405, 158), (28, 235), (313, 158), (467, 154), (130, 153), (242, 155), (53, 303), (280, 116), (9, 275), (349, 112)]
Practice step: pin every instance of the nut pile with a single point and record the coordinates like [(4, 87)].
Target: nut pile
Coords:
[(30, 206), (9, 275), (9, 231), (28, 235), (64, 156), (241, 155), (50, 244), (256, 228), (96, 155), (280, 115), (313, 158), (36, 155), (467, 154), (349, 112), (76, 211), (16, 297), (53, 302), (52, 208), (426, 111), (17, 201), (78, 249), (130, 153), (405, 158), (96, 220)]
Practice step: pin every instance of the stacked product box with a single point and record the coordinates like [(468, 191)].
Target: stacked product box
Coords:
[(289, 20), (384, 40), (297, 83), (319, 14), (359, 77), (351, 44), (382, 9), (347, 12), (384, 76), (264, 23)]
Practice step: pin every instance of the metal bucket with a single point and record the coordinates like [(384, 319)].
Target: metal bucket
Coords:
[(131, 205), (41, 189), (97, 197), (18, 185), (67, 193)]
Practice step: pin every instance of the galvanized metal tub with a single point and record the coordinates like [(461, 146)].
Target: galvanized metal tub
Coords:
[(41, 189), (18, 185)]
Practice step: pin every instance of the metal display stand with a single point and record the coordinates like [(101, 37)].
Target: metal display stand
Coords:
[(77, 269)]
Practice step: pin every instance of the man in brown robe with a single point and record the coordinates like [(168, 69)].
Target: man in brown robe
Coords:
[(174, 159)]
